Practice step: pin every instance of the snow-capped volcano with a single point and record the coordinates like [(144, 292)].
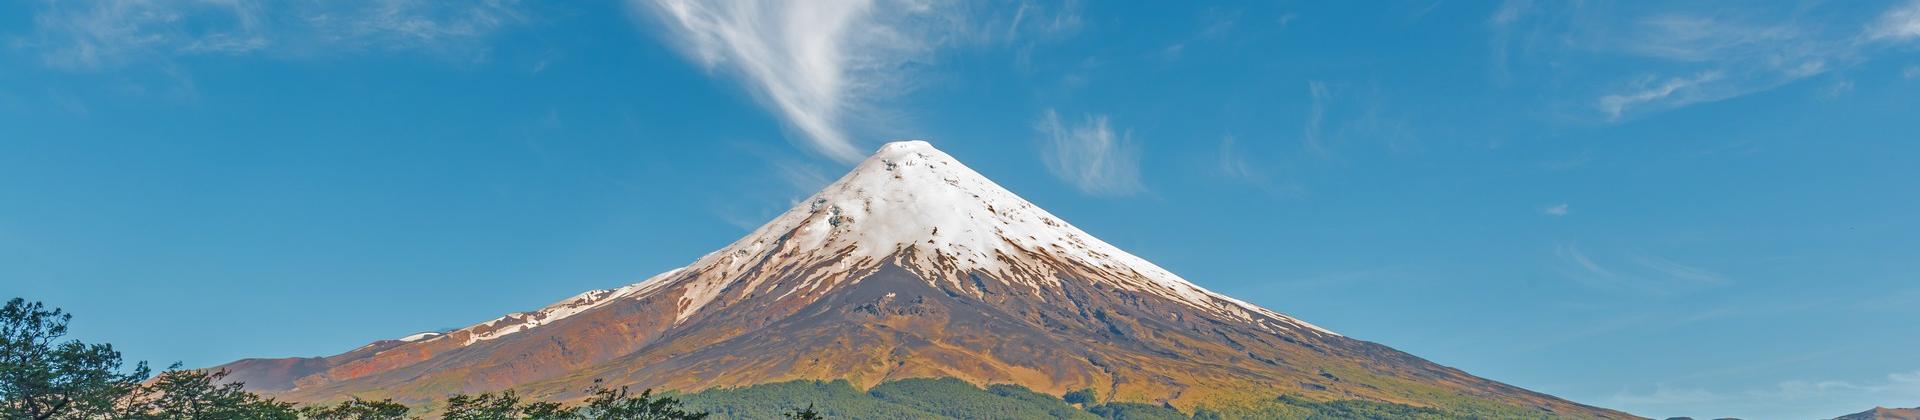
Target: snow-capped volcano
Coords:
[(911, 265), (943, 221)]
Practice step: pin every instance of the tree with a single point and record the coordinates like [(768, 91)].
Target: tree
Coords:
[(1082, 396), (503, 406), (618, 404), (43, 378), (805, 414), (358, 409), (194, 394), (1207, 414)]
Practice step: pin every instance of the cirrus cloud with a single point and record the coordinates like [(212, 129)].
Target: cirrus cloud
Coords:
[(100, 35), (1090, 155)]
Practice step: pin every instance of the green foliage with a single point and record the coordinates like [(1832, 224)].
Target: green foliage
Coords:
[(503, 406), (1054, 406), (1354, 409), (193, 394), (1136, 411), (805, 414), (1207, 414), (1082, 396), (618, 404), (43, 378), (945, 398), (357, 409), (604, 404), (911, 398), (836, 399), (956, 398)]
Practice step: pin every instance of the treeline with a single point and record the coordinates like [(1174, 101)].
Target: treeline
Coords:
[(45, 378)]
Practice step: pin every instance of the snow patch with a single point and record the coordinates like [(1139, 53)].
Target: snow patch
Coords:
[(418, 337), (523, 321)]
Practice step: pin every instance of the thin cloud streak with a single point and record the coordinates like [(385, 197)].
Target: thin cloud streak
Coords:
[(1556, 210), (1090, 156), (1680, 271), (1897, 386), (1680, 57), (1641, 274), (91, 36), (1672, 93), (1233, 163), (1310, 136)]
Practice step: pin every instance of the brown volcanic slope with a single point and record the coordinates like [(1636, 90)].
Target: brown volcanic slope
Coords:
[(1883, 413), (910, 266)]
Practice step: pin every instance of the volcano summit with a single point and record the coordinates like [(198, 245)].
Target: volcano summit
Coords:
[(910, 266)]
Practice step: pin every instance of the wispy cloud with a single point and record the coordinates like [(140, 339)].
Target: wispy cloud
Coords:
[(1680, 55), (1670, 93), (1090, 155), (1734, 57), (1667, 396), (1898, 386), (1678, 271), (115, 33), (1240, 162), (414, 24), (1311, 135), (1639, 273), (1556, 210), (1215, 24), (92, 35), (1233, 162), (1571, 163), (1044, 19), (1340, 116), (1899, 23), (821, 66), (1502, 24)]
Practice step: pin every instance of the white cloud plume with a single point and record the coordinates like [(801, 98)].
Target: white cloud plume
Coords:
[(1090, 156), (819, 65), (107, 34)]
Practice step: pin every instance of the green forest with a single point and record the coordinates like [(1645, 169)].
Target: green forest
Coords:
[(44, 376)]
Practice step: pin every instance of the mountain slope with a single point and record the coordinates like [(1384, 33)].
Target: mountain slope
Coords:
[(1883, 413), (910, 266)]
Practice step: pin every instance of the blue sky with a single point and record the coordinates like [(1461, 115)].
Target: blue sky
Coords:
[(1671, 208)]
